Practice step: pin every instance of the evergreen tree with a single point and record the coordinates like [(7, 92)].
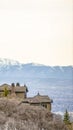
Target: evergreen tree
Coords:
[(66, 117), (6, 92)]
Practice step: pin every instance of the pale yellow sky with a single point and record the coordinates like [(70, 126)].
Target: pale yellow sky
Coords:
[(36, 31)]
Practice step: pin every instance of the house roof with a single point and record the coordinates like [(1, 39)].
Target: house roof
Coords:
[(17, 88), (3, 86), (38, 99)]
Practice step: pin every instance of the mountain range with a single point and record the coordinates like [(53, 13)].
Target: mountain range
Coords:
[(13, 71)]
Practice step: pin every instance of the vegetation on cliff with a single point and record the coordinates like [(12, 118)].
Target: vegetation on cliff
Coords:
[(16, 116)]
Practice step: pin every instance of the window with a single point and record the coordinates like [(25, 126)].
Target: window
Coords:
[(44, 105)]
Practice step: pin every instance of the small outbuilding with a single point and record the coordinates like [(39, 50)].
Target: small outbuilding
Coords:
[(39, 100)]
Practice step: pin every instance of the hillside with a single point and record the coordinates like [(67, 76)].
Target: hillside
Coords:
[(14, 115)]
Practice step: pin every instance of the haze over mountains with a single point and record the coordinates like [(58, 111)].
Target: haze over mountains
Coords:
[(55, 81)]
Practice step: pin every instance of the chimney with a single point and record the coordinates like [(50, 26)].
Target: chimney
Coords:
[(12, 88)]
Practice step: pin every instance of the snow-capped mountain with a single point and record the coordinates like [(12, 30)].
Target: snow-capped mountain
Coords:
[(11, 70), (7, 62), (32, 70)]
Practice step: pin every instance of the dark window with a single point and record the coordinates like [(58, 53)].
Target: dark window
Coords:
[(44, 105)]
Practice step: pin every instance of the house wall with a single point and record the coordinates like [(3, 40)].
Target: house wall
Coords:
[(34, 104), (21, 95), (49, 106), (1, 94), (45, 105)]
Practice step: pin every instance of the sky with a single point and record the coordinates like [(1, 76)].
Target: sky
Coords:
[(38, 31)]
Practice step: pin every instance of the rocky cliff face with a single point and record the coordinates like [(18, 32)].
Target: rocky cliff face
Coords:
[(16, 116)]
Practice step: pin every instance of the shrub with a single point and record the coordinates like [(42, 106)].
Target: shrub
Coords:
[(6, 92)]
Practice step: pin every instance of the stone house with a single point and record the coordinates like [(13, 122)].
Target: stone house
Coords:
[(19, 91), (39, 100)]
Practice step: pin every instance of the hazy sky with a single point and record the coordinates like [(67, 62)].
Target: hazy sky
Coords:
[(36, 31)]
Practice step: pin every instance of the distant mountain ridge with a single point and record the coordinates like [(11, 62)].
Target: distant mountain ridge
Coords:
[(13, 71), (31, 70)]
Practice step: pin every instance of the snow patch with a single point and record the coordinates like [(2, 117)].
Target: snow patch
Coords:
[(8, 62)]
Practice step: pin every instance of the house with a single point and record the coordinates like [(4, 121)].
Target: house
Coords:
[(19, 91), (39, 100)]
